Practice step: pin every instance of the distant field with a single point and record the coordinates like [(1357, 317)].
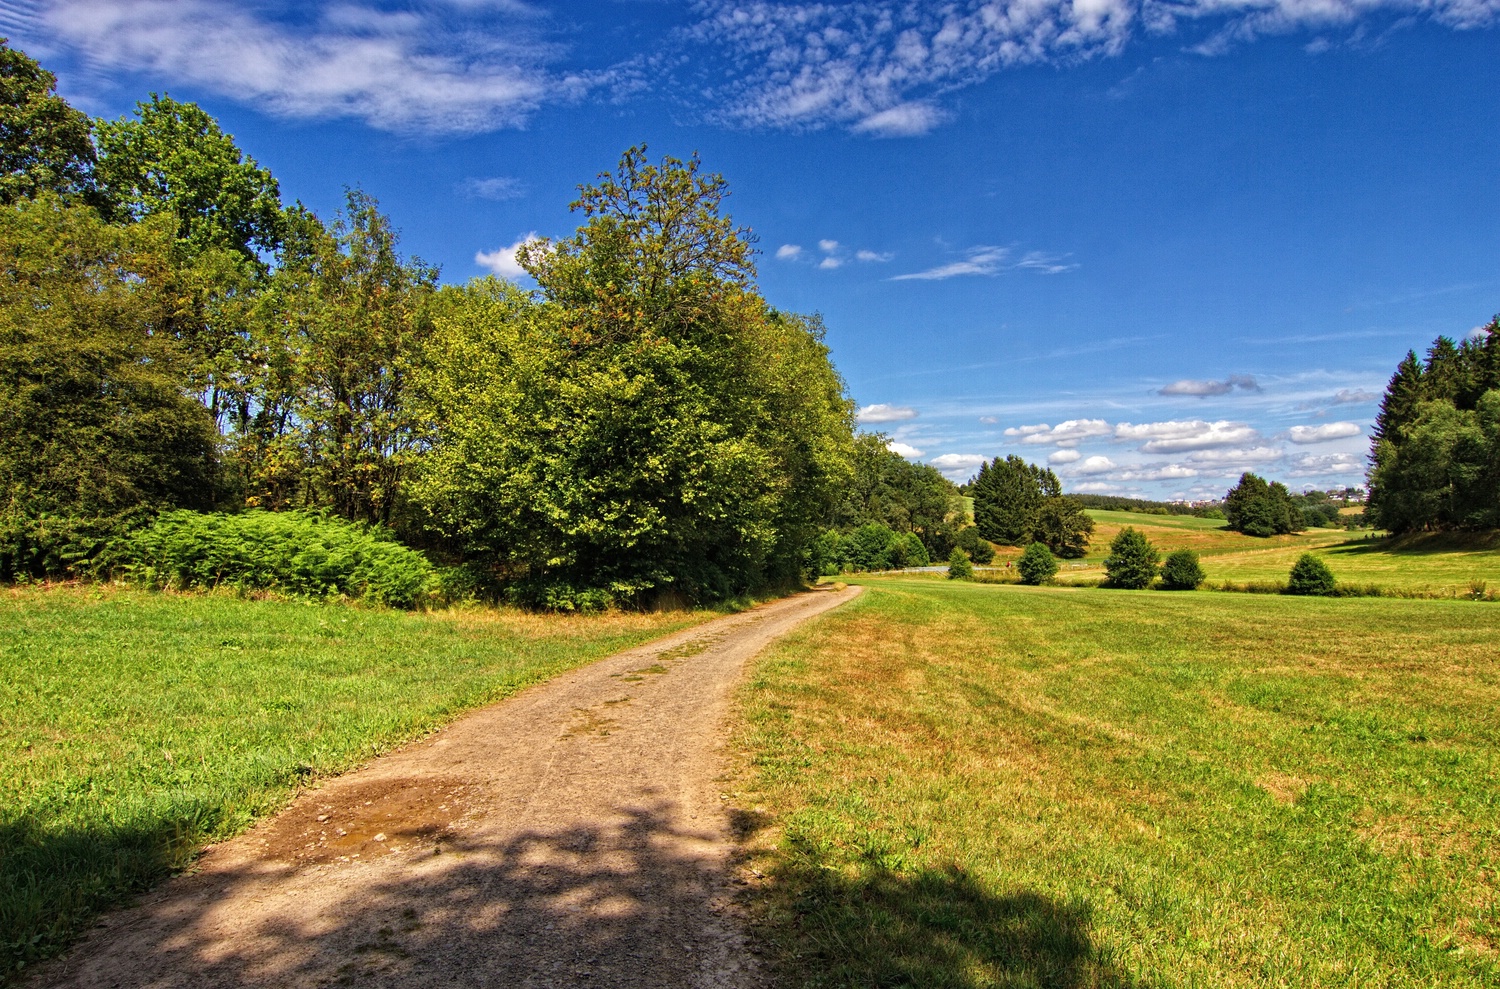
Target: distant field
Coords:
[(134, 726), (957, 785), (1438, 565)]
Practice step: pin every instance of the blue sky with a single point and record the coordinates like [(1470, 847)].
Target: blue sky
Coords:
[(1152, 244)]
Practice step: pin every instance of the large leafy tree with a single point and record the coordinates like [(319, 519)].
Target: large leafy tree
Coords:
[(886, 488), (1016, 502), (94, 415), (45, 144), (650, 425), (1258, 508)]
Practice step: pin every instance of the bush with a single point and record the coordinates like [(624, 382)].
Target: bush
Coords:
[(1037, 565), (1182, 572), (33, 547), (908, 551), (1310, 575), (291, 552), (979, 549), (959, 567), (1132, 560)]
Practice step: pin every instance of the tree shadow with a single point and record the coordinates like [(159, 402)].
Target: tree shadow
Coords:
[(932, 928)]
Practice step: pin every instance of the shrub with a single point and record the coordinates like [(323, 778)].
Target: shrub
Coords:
[(959, 567), (1132, 560), (44, 545), (1037, 565), (291, 552), (908, 551), (1310, 575), (1182, 572), (979, 549)]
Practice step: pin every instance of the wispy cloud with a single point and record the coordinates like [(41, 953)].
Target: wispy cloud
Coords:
[(1203, 389), (880, 412), (498, 188), (986, 260), (1180, 436), (425, 68), (1324, 433)]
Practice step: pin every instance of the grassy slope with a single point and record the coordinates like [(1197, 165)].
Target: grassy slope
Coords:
[(1429, 564), (976, 785), (136, 726)]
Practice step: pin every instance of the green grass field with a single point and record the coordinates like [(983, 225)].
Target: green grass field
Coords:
[(1439, 566), (963, 785), (136, 726)]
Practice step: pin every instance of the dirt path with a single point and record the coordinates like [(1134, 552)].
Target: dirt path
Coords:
[(570, 836)]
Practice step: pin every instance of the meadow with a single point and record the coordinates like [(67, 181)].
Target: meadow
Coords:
[(961, 785), (136, 726), (1436, 565)]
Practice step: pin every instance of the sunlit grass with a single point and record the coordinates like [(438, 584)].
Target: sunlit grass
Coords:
[(136, 726), (978, 786)]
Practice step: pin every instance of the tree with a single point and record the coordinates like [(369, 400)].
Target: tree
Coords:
[(1259, 509), (1182, 571), (1008, 495), (1310, 575), (44, 143), (959, 567), (887, 488), (1064, 526), (1037, 565), (1132, 561), (975, 546), (650, 424), (94, 416)]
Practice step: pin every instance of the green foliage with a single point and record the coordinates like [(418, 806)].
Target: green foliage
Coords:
[(959, 567), (1064, 526), (1310, 575), (1260, 509), (976, 546), (1037, 565), (1116, 503), (1436, 444), (44, 142), (651, 424), (1182, 571), (95, 420), (1007, 496), (1132, 561), (885, 487), (289, 552)]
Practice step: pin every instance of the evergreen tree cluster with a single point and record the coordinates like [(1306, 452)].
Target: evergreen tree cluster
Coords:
[(1016, 503), (173, 335), (1435, 453)]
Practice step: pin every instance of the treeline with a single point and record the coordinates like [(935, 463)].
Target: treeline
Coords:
[(1435, 453), (1145, 506), (1016, 503), (174, 336)]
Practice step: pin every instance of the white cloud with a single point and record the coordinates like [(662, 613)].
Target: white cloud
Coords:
[(1238, 457), (1180, 436), (885, 413), (830, 264), (788, 252), (1348, 396), (1323, 433), (828, 246), (1479, 333), (420, 69), (1063, 457), (1314, 465), (989, 420), (980, 261), (1095, 487), (902, 120), (1047, 264), (904, 449), (503, 261), (498, 188), (1093, 465), (1167, 472), (872, 256), (1202, 389), (957, 461)]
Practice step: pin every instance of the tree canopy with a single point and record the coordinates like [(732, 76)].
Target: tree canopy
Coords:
[(45, 144), (1016, 502)]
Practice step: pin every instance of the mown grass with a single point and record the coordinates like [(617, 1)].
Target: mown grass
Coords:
[(135, 726), (964, 786), (1422, 565)]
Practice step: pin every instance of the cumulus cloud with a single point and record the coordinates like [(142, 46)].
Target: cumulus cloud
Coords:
[(872, 256), (881, 412), (1165, 472), (828, 246), (498, 188), (503, 261), (1063, 457), (1323, 433), (1314, 465), (788, 252), (423, 68), (1095, 487), (1238, 457), (830, 263), (1180, 436), (957, 461), (1203, 389), (902, 120), (1068, 433), (903, 449), (1093, 465)]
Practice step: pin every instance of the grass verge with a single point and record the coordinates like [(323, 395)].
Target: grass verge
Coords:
[(134, 727), (960, 785)]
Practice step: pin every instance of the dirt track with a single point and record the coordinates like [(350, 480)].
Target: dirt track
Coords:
[(572, 835)]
